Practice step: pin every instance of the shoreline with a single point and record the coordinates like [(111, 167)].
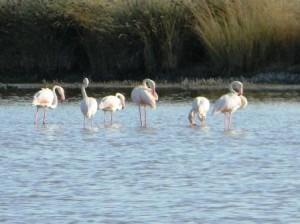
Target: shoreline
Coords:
[(202, 85)]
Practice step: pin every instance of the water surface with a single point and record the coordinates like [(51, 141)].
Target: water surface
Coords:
[(166, 173)]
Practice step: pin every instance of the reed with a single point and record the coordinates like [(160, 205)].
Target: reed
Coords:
[(243, 36), (132, 39)]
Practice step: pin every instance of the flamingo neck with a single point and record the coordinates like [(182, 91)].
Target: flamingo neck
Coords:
[(55, 101), (232, 90), (151, 85), (145, 81), (122, 99), (83, 92)]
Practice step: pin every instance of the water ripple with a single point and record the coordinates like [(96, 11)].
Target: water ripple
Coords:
[(167, 173)]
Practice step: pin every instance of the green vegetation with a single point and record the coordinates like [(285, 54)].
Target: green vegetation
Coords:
[(161, 39)]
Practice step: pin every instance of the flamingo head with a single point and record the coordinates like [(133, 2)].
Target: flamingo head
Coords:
[(244, 102), (61, 93), (85, 82), (202, 117), (151, 84), (237, 87), (122, 99)]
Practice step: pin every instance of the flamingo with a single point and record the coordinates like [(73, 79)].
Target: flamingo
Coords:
[(88, 105), (230, 102), (112, 103), (46, 98), (145, 95), (200, 106)]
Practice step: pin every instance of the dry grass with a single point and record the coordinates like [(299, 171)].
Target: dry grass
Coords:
[(131, 39), (241, 35)]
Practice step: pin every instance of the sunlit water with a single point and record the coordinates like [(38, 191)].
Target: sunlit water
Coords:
[(166, 173)]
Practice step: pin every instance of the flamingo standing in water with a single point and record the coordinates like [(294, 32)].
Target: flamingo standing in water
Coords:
[(112, 103), (46, 98), (200, 107), (145, 95), (230, 102), (88, 105)]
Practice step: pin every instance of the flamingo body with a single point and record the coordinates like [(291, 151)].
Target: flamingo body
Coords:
[(88, 107), (144, 96), (43, 98), (227, 103), (112, 104)]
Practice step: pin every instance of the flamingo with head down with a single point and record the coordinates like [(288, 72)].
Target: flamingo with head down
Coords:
[(47, 98), (230, 102), (145, 95), (200, 107)]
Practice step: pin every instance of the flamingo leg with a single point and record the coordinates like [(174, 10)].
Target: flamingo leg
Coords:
[(44, 117), (111, 118), (225, 122), (36, 116), (203, 124), (91, 122), (83, 121), (230, 119), (145, 123), (104, 117), (140, 116)]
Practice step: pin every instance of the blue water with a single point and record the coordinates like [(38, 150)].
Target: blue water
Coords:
[(166, 173)]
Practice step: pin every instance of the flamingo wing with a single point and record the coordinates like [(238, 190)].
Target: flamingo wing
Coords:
[(143, 96), (110, 103), (220, 104), (43, 98)]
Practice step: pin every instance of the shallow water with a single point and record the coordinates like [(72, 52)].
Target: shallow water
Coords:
[(166, 173)]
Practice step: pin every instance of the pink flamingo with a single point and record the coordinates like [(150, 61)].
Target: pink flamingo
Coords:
[(46, 98), (200, 106), (145, 95), (230, 102), (112, 104)]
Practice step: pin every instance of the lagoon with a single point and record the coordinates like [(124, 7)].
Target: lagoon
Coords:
[(165, 173)]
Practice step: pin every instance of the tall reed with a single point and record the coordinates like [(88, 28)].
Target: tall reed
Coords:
[(159, 26), (131, 39), (241, 35)]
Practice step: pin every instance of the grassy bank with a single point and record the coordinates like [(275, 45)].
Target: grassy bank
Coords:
[(257, 83), (130, 39)]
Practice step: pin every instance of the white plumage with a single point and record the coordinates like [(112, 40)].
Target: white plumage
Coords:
[(200, 107), (47, 98), (230, 102), (145, 95), (88, 105), (112, 104)]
